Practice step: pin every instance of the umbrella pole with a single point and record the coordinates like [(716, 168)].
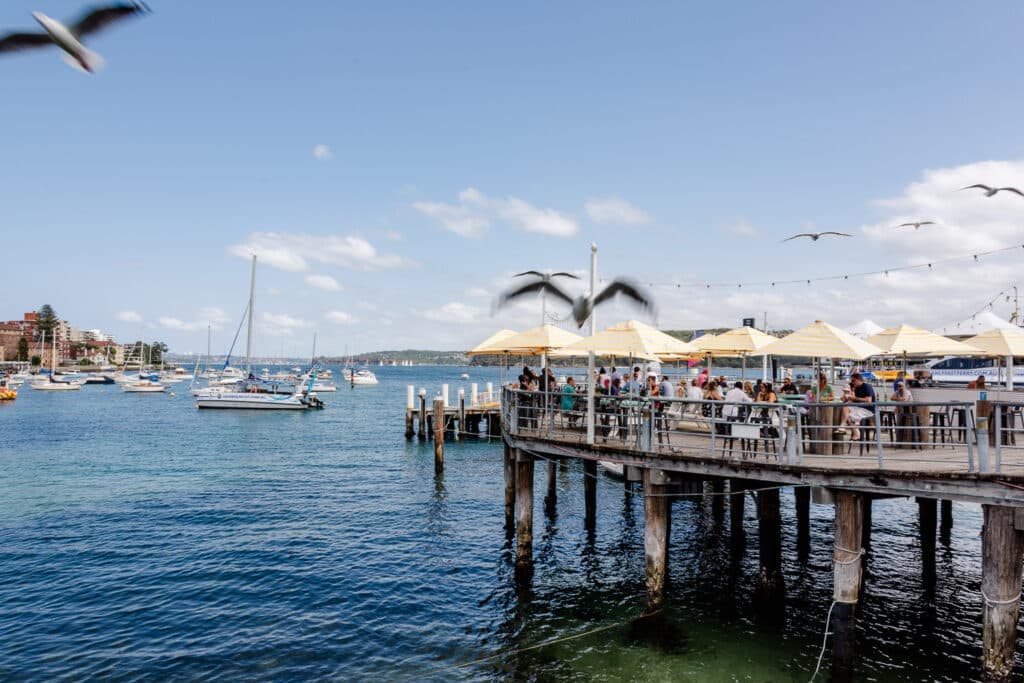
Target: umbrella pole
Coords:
[(1009, 373), (743, 372)]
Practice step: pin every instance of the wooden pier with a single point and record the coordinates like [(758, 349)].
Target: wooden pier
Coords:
[(475, 415), (948, 460)]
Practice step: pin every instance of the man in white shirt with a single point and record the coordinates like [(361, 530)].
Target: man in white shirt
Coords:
[(733, 397)]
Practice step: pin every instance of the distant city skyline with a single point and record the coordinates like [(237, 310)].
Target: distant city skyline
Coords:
[(392, 166)]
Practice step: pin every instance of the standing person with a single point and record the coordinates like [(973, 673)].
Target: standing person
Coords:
[(615, 374), (702, 378), (569, 402), (734, 411), (666, 388)]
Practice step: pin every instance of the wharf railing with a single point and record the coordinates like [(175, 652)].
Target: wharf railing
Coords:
[(1006, 426), (886, 435)]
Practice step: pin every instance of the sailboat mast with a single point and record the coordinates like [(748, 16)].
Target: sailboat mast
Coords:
[(248, 334), (312, 361)]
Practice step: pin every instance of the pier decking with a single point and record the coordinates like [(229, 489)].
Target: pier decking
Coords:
[(930, 451)]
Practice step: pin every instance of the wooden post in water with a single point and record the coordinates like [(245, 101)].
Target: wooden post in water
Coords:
[(927, 515), (737, 503), (462, 414), (410, 406), (551, 499), (423, 415), (524, 509), (802, 496), (946, 515), (510, 486), (590, 494), (770, 590), (846, 578), (656, 532), (1001, 548), (438, 434)]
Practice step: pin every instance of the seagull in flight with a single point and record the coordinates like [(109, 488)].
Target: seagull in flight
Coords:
[(815, 236), (990, 191), (546, 276), (915, 225), (581, 305), (69, 37)]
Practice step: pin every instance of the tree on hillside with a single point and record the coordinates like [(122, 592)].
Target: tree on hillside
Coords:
[(46, 320), (157, 351), (23, 349)]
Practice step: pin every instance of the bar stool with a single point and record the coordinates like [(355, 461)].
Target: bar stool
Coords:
[(940, 424)]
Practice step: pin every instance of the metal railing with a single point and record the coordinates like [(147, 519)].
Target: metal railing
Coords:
[(882, 435)]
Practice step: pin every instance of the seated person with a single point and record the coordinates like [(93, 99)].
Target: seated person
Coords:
[(859, 393), (788, 387), (822, 393)]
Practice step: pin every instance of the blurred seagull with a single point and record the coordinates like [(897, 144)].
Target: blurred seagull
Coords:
[(68, 38), (915, 225), (581, 305), (546, 276), (815, 236), (990, 191)]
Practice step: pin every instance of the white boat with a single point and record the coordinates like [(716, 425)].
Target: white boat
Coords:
[(320, 386), (361, 377), (613, 468), (222, 396), (464, 375), (144, 386), (48, 383), (963, 369)]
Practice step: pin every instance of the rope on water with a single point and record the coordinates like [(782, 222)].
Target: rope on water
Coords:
[(824, 641)]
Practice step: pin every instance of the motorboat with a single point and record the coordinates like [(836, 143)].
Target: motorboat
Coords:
[(99, 378), (145, 384), (464, 375), (964, 369), (362, 377)]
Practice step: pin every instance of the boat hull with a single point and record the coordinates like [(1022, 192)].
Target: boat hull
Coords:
[(236, 401)]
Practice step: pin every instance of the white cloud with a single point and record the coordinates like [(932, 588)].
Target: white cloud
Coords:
[(324, 282), (616, 211), (454, 312), (129, 317), (294, 251), (742, 228), (208, 316), (341, 318), (477, 292), (280, 324), (322, 153), (475, 213), (393, 236)]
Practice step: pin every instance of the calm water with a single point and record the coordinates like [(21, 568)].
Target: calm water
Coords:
[(141, 539)]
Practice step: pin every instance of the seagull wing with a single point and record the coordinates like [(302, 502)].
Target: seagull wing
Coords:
[(978, 185), (530, 272), (908, 225), (926, 223), (538, 286), (840, 234), (13, 42), (562, 274), (1012, 189), (803, 234), (98, 18), (622, 287)]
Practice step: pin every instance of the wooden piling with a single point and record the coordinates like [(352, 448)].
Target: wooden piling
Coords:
[(1001, 549), (551, 499), (802, 496), (409, 430), (946, 511), (590, 494), (737, 503), (927, 516), (524, 509), (438, 434), (423, 416), (770, 590), (656, 533), (462, 414), (510, 486), (847, 564)]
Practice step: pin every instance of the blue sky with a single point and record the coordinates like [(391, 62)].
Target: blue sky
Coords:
[(464, 141)]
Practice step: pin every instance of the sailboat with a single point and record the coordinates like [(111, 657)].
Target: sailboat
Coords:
[(144, 384), (302, 398), (51, 384)]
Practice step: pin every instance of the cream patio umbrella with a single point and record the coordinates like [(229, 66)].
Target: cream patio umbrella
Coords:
[(820, 340), (741, 341), (1001, 342), (630, 339), (908, 341), (538, 340), (492, 346)]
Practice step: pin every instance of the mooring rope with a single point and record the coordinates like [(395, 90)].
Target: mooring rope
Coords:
[(856, 555), (990, 602), (824, 642)]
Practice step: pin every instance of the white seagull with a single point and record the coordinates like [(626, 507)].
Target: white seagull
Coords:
[(989, 191), (815, 236), (68, 38), (915, 225)]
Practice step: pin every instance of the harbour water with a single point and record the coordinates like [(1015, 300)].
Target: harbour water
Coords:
[(141, 538)]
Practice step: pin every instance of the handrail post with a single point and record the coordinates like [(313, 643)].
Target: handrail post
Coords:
[(981, 434), (714, 427), (646, 422), (999, 438), (513, 418), (790, 440), (968, 437), (878, 436), (799, 438)]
